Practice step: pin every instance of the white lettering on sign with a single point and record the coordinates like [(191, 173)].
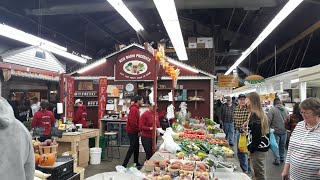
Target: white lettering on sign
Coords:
[(134, 56), (130, 56), (143, 57), (122, 59)]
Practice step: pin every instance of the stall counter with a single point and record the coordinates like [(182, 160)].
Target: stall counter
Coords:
[(78, 144)]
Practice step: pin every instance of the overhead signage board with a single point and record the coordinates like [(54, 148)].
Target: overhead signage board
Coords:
[(228, 81), (135, 65)]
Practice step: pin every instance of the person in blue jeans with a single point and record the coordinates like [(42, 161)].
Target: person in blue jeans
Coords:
[(240, 116), (277, 117), (227, 120)]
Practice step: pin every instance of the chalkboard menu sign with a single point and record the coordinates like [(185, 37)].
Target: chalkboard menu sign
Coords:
[(55, 132)]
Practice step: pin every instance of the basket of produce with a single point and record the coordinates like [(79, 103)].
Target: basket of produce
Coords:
[(48, 146)]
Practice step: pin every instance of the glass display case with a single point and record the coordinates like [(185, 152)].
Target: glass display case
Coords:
[(120, 127), (124, 139), (114, 139)]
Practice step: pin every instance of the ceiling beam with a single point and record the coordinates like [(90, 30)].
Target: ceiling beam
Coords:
[(106, 32), (301, 36), (60, 7), (63, 36)]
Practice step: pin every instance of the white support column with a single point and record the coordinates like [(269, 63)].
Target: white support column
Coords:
[(211, 98), (303, 91)]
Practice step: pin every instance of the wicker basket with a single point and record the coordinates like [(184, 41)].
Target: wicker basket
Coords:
[(48, 149)]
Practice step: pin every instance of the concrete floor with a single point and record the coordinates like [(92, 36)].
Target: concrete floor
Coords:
[(273, 172)]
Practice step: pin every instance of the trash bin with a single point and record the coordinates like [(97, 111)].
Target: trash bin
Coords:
[(95, 155), (103, 144)]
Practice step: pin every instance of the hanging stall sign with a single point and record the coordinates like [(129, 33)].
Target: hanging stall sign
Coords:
[(228, 81), (134, 65), (103, 82), (70, 97), (254, 80)]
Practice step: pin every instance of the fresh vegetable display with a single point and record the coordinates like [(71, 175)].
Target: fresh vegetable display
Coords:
[(202, 148), (181, 170), (210, 122)]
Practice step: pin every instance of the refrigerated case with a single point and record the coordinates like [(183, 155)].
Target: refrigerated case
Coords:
[(121, 139)]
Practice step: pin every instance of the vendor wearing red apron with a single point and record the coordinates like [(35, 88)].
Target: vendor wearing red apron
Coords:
[(146, 130), (81, 114), (45, 119)]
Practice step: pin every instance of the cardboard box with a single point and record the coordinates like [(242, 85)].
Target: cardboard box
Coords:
[(208, 41), (83, 156), (83, 144), (192, 45), (208, 45), (192, 40), (84, 164), (204, 39), (201, 45)]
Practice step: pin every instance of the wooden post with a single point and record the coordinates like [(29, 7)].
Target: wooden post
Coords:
[(62, 93), (155, 91), (173, 100)]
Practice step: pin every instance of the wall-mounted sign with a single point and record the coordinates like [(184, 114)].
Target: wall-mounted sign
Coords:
[(228, 81), (85, 86), (70, 97), (135, 65), (103, 82)]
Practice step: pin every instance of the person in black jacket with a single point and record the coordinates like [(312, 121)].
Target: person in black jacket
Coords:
[(14, 104), (257, 135)]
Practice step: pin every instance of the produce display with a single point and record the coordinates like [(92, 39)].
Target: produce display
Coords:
[(203, 150), (47, 159), (181, 170), (199, 143), (45, 152), (48, 146)]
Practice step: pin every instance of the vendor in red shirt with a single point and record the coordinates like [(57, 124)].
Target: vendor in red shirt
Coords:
[(132, 128), (81, 114), (146, 128), (45, 119)]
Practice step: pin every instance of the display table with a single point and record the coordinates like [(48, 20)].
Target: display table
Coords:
[(78, 144), (162, 155), (115, 125)]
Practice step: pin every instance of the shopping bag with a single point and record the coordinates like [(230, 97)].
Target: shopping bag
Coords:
[(242, 145), (273, 143)]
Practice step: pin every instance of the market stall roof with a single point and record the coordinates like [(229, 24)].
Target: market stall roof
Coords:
[(33, 57), (142, 48)]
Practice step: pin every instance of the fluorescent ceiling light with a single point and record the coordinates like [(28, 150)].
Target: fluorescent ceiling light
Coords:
[(285, 11), (86, 57), (169, 16), (126, 14), (91, 66), (294, 81), (177, 63), (63, 53), (21, 36)]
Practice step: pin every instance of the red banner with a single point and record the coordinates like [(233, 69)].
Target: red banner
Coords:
[(135, 65), (70, 98), (102, 98)]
